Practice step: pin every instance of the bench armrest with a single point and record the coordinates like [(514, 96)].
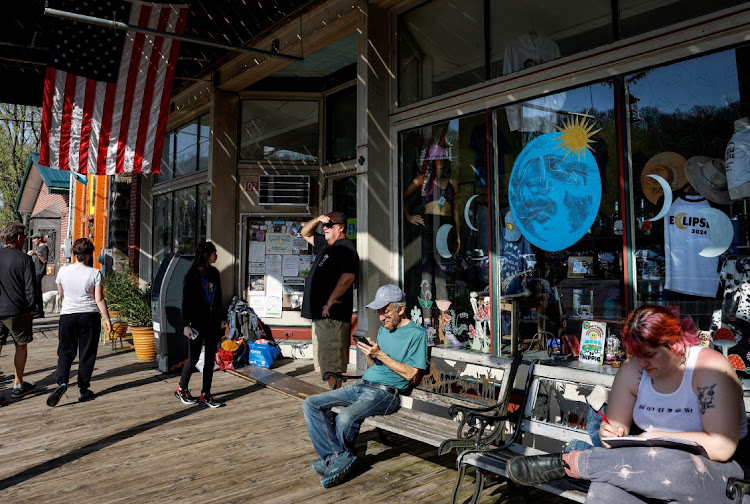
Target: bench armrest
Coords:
[(340, 378), (737, 489)]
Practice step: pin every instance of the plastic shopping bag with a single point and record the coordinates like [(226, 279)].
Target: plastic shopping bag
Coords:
[(262, 353)]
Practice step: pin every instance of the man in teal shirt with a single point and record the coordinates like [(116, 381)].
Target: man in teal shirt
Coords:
[(394, 361)]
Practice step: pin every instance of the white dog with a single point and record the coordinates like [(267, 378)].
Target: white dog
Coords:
[(51, 297)]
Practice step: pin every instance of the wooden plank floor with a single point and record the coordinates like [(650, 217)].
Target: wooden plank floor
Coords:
[(137, 443)]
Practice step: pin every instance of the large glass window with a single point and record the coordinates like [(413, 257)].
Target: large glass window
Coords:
[(162, 228), (186, 150), (166, 169), (526, 34), (282, 130), (180, 221), (561, 241), (341, 125), (641, 16), (441, 49), (446, 232), (684, 123), (204, 131)]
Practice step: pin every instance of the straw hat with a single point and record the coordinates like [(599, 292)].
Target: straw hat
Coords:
[(708, 177), (670, 166)]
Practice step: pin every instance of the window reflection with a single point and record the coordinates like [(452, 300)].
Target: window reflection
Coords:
[(186, 153), (641, 16), (162, 228), (184, 221), (283, 130), (682, 131), (527, 34), (560, 243), (446, 229)]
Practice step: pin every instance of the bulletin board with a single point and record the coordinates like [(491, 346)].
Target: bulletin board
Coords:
[(278, 260)]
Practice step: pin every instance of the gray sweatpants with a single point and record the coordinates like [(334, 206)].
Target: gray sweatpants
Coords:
[(673, 476)]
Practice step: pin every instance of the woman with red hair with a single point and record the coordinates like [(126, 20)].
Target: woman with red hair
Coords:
[(669, 386)]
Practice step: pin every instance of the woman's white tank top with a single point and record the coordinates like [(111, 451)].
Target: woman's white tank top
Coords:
[(678, 411)]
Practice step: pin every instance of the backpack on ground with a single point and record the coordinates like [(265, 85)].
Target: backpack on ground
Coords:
[(244, 323)]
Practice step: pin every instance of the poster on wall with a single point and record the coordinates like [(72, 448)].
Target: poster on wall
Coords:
[(593, 337), (278, 243), (305, 262), (258, 304), (257, 252), (290, 266)]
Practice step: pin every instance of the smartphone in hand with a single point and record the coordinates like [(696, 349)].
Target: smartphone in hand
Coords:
[(363, 340), (195, 332)]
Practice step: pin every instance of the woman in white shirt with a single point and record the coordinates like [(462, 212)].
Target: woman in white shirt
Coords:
[(669, 386), (81, 290)]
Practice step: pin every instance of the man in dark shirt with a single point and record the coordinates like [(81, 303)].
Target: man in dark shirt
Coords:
[(39, 253), (16, 300), (329, 293)]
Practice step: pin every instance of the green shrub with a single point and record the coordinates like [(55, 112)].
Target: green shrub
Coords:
[(124, 295)]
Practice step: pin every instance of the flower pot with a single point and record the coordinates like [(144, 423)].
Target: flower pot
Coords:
[(143, 340)]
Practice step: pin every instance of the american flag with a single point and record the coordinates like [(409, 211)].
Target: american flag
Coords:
[(106, 91)]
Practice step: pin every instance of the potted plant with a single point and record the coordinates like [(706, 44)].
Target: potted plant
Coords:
[(134, 305), (117, 287)]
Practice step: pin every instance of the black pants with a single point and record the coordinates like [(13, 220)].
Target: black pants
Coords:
[(194, 353), (38, 302), (79, 332)]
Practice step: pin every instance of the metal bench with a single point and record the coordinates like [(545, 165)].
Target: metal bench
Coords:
[(431, 412), (552, 413)]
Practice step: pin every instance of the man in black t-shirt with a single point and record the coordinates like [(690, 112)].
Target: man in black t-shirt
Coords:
[(39, 253), (329, 293)]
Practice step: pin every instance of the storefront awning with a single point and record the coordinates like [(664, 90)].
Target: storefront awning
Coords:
[(36, 176)]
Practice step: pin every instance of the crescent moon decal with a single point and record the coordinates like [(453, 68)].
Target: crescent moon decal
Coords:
[(466, 214), (678, 220), (441, 240), (667, 197), (720, 232)]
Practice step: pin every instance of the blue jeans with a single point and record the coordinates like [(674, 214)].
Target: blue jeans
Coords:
[(361, 401), (593, 421)]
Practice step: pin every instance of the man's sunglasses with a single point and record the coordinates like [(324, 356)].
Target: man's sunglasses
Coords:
[(330, 224)]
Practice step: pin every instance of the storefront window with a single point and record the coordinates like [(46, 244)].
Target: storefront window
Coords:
[(180, 221), (185, 150), (202, 211), (526, 34), (561, 240), (446, 232), (162, 228), (687, 126), (166, 169), (205, 130), (440, 49), (186, 153), (282, 130), (341, 125), (639, 16)]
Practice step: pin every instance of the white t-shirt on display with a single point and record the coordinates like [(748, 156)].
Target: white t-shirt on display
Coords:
[(686, 234), (539, 114), (78, 282)]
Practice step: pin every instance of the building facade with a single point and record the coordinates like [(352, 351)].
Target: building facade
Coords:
[(500, 161)]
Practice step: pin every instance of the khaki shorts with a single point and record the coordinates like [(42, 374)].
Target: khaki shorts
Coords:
[(330, 345), (19, 327)]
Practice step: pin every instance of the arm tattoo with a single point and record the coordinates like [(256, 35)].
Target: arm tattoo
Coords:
[(706, 397)]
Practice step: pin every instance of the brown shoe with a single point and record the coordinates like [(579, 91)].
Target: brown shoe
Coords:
[(536, 470)]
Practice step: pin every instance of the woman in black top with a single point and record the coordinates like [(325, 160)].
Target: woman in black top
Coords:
[(203, 319)]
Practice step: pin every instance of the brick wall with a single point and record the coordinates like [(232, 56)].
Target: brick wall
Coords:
[(43, 201)]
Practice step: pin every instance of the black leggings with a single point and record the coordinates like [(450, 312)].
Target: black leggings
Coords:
[(194, 353), (79, 332)]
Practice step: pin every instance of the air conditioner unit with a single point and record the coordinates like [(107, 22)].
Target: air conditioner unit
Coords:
[(284, 190)]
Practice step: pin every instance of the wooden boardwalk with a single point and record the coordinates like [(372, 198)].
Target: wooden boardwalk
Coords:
[(137, 443)]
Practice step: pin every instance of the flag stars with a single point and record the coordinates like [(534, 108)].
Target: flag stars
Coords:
[(666, 482)]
